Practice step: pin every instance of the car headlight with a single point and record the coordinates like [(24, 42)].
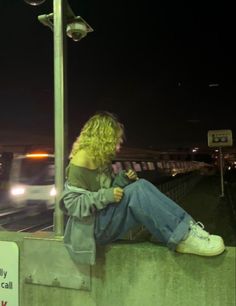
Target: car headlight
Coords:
[(18, 190), (53, 192)]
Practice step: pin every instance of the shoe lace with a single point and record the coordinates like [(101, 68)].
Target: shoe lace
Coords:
[(197, 229)]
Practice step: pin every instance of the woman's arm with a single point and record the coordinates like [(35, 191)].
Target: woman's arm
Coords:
[(124, 178), (82, 204)]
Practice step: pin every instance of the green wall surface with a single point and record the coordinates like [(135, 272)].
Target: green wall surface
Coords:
[(126, 274)]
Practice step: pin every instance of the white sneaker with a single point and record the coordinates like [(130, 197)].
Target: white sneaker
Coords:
[(200, 242), (198, 229)]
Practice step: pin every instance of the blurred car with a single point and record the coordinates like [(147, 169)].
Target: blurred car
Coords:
[(31, 180)]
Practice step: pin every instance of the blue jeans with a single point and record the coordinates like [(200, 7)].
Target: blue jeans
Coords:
[(143, 204)]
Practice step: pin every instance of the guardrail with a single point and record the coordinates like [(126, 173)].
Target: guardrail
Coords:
[(178, 188)]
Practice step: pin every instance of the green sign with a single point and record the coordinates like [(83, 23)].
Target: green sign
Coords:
[(9, 270)]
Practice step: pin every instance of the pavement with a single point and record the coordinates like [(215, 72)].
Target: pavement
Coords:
[(205, 204)]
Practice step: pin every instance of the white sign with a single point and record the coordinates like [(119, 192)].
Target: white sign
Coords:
[(9, 273), (220, 138)]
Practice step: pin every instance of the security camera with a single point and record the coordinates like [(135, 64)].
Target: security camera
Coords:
[(78, 29)]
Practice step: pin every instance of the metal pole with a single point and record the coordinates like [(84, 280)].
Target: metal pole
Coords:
[(60, 107), (221, 172)]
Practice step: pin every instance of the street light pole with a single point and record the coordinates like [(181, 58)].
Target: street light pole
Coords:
[(60, 108), (62, 21)]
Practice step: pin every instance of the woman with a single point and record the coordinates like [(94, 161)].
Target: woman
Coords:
[(103, 207)]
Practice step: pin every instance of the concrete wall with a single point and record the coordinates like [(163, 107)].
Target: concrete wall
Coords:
[(147, 274), (126, 274)]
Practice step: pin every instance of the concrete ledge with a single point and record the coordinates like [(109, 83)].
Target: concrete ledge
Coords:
[(147, 274), (128, 274), (47, 262)]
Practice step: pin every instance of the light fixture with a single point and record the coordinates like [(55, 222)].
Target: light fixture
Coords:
[(34, 2)]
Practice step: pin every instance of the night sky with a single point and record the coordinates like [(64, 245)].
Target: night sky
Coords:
[(166, 69)]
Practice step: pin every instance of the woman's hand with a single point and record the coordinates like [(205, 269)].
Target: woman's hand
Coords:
[(118, 193), (132, 175)]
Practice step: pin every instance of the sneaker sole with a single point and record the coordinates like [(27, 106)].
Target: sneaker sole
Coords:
[(184, 250)]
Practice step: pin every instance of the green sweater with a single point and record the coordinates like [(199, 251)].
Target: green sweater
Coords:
[(83, 177), (86, 192)]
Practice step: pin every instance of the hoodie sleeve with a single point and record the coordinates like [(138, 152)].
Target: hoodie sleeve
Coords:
[(121, 180), (80, 205)]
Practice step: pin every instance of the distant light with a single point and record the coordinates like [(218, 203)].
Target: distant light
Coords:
[(37, 155), (34, 2), (195, 149), (214, 85)]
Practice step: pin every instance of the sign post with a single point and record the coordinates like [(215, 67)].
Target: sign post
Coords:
[(220, 138), (221, 172)]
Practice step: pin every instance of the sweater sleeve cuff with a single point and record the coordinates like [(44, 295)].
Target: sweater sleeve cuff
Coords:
[(109, 195)]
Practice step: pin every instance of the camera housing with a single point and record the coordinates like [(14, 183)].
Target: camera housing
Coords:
[(78, 29)]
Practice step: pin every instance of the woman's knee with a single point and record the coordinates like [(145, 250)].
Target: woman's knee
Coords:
[(135, 187), (144, 183), (147, 186), (138, 184)]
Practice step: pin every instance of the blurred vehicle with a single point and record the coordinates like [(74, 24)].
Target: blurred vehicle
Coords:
[(31, 181)]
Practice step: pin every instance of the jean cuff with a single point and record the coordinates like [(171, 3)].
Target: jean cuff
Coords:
[(180, 233)]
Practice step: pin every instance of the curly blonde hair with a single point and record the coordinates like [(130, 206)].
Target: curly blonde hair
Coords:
[(99, 137)]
